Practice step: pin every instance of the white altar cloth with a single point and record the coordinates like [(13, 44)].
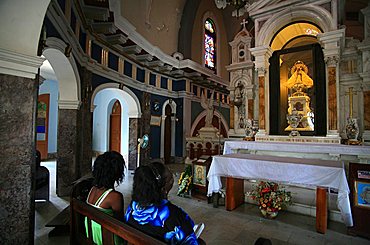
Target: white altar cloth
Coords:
[(309, 172)]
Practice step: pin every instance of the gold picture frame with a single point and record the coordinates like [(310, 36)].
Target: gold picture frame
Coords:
[(200, 175)]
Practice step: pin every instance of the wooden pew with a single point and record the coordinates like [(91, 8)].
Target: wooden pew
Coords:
[(79, 209)]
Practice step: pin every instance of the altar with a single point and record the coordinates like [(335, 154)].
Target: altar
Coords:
[(311, 172)]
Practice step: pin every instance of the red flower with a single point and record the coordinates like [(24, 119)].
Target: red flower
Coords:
[(264, 190)]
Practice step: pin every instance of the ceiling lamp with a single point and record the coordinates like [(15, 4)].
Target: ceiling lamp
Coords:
[(239, 5)]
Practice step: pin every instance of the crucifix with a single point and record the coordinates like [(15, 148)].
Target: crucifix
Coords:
[(244, 22), (350, 94)]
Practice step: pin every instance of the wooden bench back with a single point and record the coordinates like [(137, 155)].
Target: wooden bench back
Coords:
[(79, 209)]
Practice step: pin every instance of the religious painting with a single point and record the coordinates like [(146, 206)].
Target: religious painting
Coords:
[(362, 194), (200, 175)]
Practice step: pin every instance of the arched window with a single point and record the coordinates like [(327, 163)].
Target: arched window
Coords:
[(210, 44)]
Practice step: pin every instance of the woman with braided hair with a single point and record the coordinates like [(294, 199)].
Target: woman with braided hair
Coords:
[(108, 169)]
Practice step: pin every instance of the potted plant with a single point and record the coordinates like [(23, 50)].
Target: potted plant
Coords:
[(270, 198)]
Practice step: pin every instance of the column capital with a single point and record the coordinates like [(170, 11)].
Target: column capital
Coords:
[(332, 61), (332, 42), (17, 64), (262, 55), (69, 104)]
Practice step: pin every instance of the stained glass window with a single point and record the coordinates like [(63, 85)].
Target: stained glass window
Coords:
[(209, 44)]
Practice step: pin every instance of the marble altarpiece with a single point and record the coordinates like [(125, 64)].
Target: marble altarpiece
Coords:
[(242, 88)]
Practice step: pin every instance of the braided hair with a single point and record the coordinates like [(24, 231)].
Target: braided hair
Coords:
[(108, 169)]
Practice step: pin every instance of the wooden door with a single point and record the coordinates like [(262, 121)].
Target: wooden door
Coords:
[(42, 123), (115, 128), (167, 135)]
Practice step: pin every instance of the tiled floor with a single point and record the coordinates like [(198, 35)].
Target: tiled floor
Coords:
[(241, 226)]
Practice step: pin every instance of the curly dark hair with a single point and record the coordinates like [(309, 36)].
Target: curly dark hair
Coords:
[(148, 183), (108, 168)]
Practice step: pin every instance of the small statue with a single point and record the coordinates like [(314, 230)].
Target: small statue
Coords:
[(352, 129), (208, 106), (251, 128)]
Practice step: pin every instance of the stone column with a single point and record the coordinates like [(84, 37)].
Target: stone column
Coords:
[(18, 100), (262, 55), (332, 95), (85, 124), (18, 97), (133, 143), (232, 111), (144, 125), (332, 42), (364, 48), (68, 142)]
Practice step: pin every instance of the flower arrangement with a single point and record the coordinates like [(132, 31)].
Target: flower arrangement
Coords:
[(185, 182), (270, 196)]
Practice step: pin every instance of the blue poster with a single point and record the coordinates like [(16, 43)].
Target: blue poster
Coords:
[(363, 194)]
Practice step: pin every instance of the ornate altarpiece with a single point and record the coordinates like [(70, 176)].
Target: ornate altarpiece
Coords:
[(242, 94), (283, 96)]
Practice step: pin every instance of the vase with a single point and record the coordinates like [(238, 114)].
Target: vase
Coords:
[(269, 214)]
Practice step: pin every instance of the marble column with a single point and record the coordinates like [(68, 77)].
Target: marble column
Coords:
[(85, 124), (144, 126), (133, 143), (332, 98), (232, 114), (262, 55), (18, 99), (67, 168), (364, 48), (261, 96), (332, 43)]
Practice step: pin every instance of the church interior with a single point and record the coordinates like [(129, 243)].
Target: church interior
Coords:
[(280, 86)]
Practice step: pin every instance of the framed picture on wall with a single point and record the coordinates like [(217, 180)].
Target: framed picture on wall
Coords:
[(362, 194), (155, 120)]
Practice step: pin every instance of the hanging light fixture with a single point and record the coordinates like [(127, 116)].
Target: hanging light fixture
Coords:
[(239, 5)]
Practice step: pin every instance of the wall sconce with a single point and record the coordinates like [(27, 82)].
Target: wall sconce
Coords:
[(68, 50)]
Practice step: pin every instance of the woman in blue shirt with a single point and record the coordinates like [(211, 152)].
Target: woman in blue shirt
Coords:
[(151, 212)]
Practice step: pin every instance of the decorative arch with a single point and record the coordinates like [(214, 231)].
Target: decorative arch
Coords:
[(314, 14), (212, 16), (103, 100), (134, 111), (66, 72), (173, 105), (202, 115)]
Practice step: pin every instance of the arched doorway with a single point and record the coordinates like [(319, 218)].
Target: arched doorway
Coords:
[(167, 134), (119, 107), (115, 128)]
